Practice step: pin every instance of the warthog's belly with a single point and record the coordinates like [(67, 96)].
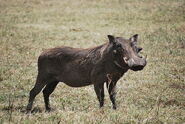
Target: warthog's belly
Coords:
[(75, 78), (78, 84)]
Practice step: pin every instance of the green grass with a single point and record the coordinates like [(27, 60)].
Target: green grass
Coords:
[(155, 95)]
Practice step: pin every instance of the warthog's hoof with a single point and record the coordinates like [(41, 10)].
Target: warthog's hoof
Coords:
[(114, 107), (28, 111), (48, 110)]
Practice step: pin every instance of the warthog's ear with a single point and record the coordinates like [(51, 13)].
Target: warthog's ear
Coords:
[(139, 49), (134, 38), (111, 39)]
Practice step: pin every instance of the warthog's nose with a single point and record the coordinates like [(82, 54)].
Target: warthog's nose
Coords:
[(137, 64)]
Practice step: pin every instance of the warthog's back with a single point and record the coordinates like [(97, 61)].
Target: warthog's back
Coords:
[(59, 52), (70, 65)]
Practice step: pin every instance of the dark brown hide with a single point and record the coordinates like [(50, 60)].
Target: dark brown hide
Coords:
[(81, 67)]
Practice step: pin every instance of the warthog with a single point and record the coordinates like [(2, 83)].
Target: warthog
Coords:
[(81, 67)]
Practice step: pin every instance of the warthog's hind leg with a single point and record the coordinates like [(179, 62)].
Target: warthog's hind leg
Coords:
[(99, 89), (36, 89), (50, 87)]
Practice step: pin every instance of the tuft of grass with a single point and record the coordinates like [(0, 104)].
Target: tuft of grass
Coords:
[(152, 96)]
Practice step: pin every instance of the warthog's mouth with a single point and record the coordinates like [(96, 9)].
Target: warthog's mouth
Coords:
[(137, 68), (135, 65)]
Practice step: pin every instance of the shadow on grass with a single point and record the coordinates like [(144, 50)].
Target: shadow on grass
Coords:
[(21, 109)]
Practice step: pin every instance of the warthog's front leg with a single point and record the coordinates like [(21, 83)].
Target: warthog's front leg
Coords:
[(111, 87), (99, 89), (112, 93)]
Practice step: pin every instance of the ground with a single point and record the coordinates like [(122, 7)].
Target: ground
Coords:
[(155, 95)]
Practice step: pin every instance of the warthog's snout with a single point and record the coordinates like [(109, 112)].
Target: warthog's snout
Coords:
[(137, 64)]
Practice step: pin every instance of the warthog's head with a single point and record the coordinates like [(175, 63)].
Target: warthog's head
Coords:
[(126, 52)]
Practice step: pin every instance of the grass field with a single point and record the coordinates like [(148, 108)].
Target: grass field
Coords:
[(155, 95)]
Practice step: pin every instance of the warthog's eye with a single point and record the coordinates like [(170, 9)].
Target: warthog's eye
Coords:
[(119, 48), (118, 45), (132, 44)]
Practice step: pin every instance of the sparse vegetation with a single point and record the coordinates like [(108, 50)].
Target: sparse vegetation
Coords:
[(155, 95)]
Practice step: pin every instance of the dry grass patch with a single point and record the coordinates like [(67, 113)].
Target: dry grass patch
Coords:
[(152, 96)]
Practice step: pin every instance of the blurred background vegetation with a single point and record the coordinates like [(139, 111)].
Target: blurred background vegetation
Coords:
[(155, 95)]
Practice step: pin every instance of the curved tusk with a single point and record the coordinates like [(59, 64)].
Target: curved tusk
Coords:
[(125, 59)]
